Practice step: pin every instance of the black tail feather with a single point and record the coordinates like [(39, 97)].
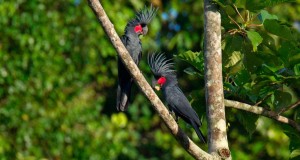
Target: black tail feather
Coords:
[(123, 96), (199, 133)]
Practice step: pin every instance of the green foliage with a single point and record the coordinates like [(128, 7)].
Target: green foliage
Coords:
[(251, 5), (195, 59), (294, 143), (58, 86), (58, 79), (261, 63), (281, 30)]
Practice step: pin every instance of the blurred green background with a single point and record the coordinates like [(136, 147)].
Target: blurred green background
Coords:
[(58, 78)]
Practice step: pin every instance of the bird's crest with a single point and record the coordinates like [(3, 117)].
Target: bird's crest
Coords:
[(159, 65), (144, 16)]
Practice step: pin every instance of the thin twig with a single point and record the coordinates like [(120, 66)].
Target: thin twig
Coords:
[(258, 103), (234, 22), (289, 107), (261, 111), (237, 11)]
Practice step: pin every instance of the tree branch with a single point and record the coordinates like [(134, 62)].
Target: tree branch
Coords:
[(181, 137), (261, 111), (217, 136)]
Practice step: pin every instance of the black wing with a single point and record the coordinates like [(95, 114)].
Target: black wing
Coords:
[(182, 107), (124, 83)]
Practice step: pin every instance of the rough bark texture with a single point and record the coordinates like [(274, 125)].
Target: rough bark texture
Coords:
[(217, 137), (261, 111), (181, 137)]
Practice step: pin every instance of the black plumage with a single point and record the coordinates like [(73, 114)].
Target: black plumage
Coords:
[(165, 78), (134, 28)]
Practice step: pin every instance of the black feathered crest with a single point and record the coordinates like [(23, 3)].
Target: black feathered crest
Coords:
[(144, 16), (159, 64)]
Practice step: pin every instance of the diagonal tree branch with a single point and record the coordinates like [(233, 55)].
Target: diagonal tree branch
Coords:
[(181, 137), (261, 111), (217, 136)]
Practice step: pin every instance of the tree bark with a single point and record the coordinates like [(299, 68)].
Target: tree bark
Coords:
[(181, 137), (261, 111), (217, 136)]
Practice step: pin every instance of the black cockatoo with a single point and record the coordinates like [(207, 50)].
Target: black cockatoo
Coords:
[(132, 42), (165, 79)]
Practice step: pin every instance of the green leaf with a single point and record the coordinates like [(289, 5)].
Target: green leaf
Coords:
[(236, 68), (193, 58), (295, 59), (252, 62), (248, 120), (255, 39), (297, 115), (275, 27), (234, 59), (231, 88), (268, 69), (242, 78), (282, 99), (232, 51), (285, 51), (265, 15), (262, 88), (233, 43), (268, 41), (240, 3), (234, 63), (294, 137), (254, 5), (198, 101), (222, 3), (191, 71), (297, 69), (295, 154)]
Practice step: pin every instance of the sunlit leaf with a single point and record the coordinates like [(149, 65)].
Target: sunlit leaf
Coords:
[(255, 39), (266, 15), (295, 154), (234, 59), (297, 69)]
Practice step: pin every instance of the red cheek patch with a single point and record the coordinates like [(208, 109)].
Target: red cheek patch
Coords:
[(161, 81), (138, 28)]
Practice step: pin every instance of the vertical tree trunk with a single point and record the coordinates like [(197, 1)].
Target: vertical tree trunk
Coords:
[(217, 137)]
